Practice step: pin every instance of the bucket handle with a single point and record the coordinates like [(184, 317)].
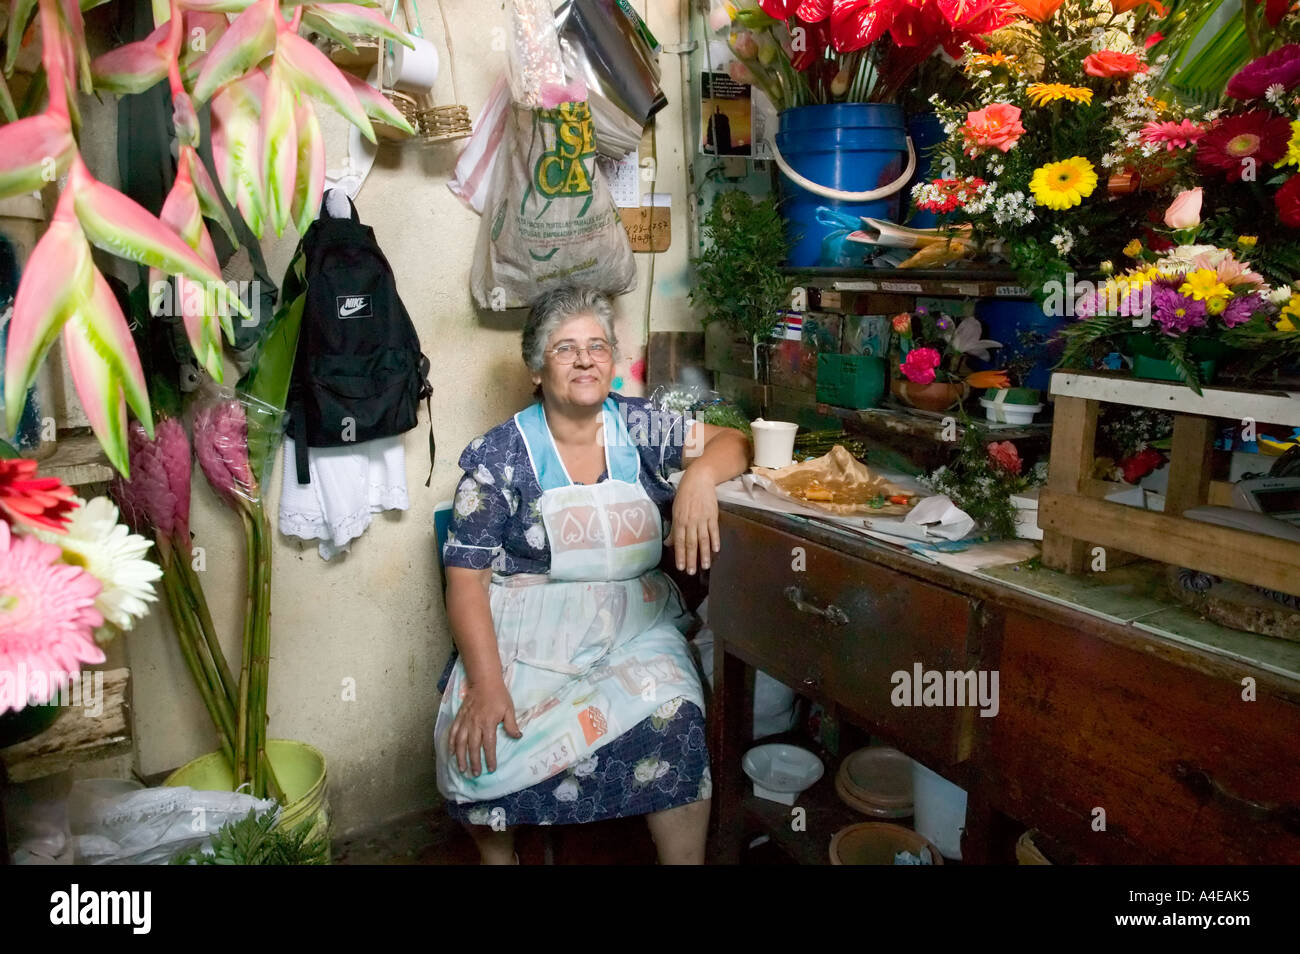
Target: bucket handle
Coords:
[(871, 195)]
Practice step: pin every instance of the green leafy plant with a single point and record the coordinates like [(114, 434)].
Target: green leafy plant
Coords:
[(982, 478), (739, 280), (259, 840)]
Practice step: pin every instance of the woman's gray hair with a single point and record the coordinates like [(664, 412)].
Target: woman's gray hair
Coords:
[(554, 308)]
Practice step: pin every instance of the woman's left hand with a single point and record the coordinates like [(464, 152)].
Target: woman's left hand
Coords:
[(695, 520)]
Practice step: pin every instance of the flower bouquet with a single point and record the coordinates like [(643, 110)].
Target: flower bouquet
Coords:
[(1063, 146), (1181, 308), (932, 352), (71, 578), (982, 479)]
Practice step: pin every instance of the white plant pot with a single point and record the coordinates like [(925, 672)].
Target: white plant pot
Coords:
[(1009, 413)]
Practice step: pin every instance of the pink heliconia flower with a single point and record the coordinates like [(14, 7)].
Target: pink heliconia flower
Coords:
[(47, 619), (221, 445), (157, 497)]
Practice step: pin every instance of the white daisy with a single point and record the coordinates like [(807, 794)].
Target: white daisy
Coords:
[(115, 556)]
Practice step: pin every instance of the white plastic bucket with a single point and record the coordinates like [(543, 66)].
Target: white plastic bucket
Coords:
[(773, 443), (939, 810)]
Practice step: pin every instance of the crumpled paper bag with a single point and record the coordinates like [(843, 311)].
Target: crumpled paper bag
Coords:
[(848, 482)]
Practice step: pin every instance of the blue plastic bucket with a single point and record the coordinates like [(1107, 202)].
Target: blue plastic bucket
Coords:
[(926, 130), (848, 147), (1005, 320)]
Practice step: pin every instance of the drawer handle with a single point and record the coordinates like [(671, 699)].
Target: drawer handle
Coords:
[(831, 613), (1206, 789)]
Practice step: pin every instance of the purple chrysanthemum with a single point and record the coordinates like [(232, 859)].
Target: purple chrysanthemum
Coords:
[(1176, 314), (1241, 308)]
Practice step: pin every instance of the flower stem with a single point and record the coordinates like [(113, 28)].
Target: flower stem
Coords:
[(244, 741), (194, 589), (184, 623), (262, 651)]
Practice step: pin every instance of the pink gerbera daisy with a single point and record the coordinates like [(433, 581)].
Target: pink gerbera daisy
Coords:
[(47, 618), (1172, 135)]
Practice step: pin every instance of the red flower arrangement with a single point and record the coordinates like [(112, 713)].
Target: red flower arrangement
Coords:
[(946, 195), (1244, 141)]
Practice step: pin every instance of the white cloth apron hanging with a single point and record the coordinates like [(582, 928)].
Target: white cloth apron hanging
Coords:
[(592, 648)]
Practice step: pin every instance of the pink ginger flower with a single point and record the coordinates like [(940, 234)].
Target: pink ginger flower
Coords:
[(47, 618), (157, 497), (221, 444)]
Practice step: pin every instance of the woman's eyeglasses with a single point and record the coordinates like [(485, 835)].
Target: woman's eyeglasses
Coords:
[(597, 351)]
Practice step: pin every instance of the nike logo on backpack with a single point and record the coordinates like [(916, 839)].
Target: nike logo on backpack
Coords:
[(353, 306)]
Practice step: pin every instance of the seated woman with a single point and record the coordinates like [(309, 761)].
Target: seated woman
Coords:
[(575, 697)]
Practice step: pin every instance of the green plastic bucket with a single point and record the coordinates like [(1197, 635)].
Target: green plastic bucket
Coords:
[(299, 768)]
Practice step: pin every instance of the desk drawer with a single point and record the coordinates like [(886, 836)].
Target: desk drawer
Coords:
[(840, 628), (1186, 771)]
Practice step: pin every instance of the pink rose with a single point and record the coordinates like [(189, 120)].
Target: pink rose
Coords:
[(996, 126), (919, 365), (1185, 211), (1004, 456)]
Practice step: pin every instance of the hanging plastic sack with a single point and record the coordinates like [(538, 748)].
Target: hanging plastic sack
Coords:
[(550, 219), (473, 172)]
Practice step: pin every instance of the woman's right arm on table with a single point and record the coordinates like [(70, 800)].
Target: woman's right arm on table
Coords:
[(487, 701)]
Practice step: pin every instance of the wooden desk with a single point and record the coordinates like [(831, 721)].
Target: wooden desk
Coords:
[(1096, 720)]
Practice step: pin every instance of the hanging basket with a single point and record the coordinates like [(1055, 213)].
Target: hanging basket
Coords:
[(446, 123), (360, 57)]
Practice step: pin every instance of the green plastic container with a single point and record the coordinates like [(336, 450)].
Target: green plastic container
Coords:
[(299, 768), (851, 380), (1157, 369)]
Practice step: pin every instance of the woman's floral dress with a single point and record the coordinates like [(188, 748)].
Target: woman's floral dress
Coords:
[(660, 763)]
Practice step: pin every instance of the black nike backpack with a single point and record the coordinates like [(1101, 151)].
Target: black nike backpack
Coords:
[(358, 372)]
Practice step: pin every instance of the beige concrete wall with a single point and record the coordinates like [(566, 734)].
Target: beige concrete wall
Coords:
[(376, 616)]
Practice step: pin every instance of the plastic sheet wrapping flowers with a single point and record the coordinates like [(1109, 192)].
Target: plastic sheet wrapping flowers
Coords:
[(259, 75), (71, 577)]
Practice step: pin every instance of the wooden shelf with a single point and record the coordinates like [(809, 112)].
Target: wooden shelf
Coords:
[(75, 737), (1265, 407), (77, 459), (929, 282)]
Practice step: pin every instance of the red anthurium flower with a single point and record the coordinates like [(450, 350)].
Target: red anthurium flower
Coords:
[(1275, 10), (810, 11), (35, 501)]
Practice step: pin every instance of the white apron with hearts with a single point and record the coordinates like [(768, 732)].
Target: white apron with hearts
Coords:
[(595, 646)]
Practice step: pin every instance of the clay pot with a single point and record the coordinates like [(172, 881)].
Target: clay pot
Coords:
[(935, 396)]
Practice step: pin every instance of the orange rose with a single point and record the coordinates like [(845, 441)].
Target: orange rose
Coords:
[(996, 126), (1111, 63)]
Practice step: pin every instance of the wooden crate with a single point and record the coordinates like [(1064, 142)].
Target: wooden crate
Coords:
[(1076, 519)]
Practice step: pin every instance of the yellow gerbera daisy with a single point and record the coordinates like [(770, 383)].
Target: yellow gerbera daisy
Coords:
[(1134, 248), (1040, 94), (1247, 241), (1292, 157), (1063, 185), (1203, 284)]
